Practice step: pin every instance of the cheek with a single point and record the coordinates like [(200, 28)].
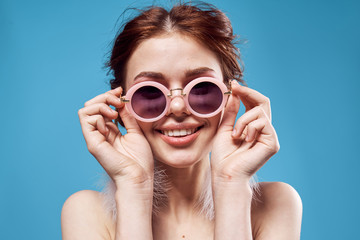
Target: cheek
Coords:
[(147, 128)]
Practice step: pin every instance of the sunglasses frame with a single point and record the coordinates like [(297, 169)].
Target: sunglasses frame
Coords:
[(168, 93)]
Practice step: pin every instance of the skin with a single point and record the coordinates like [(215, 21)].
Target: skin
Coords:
[(237, 153)]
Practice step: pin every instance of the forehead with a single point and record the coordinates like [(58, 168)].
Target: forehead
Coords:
[(172, 55)]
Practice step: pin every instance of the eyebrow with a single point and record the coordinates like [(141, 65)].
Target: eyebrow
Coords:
[(198, 71), (155, 75), (188, 74)]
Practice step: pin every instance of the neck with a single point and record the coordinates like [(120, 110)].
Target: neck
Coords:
[(185, 188)]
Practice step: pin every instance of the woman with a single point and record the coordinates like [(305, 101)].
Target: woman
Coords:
[(169, 68)]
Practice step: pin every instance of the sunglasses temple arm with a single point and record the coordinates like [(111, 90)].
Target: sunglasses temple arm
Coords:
[(122, 99), (230, 90)]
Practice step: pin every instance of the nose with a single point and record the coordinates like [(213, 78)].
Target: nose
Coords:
[(178, 107)]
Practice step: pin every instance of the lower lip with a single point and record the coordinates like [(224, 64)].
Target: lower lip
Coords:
[(180, 141)]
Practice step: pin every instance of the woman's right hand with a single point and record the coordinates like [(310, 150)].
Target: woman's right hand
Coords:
[(126, 158)]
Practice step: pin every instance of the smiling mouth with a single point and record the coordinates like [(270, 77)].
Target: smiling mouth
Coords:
[(179, 132)]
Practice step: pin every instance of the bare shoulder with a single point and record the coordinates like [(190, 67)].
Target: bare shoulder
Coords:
[(84, 217), (276, 212)]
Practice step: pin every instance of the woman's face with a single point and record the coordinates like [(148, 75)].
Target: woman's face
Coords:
[(174, 60)]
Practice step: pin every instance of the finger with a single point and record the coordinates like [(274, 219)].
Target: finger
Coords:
[(251, 98), (108, 119), (129, 121), (113, 133), (98, 108), (230, 113), (265, 146), (111, 97), (108, 156), (254, 128), (94, 123), (100, 125), (245, 119)]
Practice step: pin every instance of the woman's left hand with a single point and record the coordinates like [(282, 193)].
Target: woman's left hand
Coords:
[(240, 150)]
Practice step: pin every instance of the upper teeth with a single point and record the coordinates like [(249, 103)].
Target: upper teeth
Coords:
[(178, 132)]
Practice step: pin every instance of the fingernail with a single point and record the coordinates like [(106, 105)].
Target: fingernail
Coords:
[(233, 132), (112, 111)]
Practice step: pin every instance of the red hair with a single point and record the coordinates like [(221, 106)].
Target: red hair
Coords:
[(204, 23)]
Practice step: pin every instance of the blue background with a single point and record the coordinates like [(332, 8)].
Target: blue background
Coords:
[(304, 55)]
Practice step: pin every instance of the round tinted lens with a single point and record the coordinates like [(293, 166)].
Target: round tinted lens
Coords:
[(205, 97), (148, 102)]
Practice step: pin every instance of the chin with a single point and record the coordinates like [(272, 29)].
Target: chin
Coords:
[(183, 156), (179, 158)]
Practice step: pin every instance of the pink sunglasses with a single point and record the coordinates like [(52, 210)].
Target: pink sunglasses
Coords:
[(149, 101)]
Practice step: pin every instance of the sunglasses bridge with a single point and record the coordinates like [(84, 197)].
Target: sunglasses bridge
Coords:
[(177, 89)]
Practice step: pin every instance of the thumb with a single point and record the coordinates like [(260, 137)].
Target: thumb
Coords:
[(231, 110), (129, 121)]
